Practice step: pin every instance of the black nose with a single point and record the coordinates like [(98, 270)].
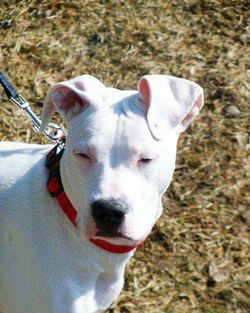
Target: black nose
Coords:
[(108, 215)]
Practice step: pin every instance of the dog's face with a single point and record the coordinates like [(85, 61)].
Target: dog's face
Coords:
[(120, 150), (118, 170)]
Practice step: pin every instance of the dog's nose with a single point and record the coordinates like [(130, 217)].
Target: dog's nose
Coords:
[(109, 214)]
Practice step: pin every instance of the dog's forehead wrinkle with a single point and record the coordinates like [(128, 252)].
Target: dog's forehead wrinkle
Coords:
[(131, 107), (122, 101), (127, 149)]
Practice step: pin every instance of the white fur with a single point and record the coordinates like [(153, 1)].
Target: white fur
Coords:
[(46, 264)]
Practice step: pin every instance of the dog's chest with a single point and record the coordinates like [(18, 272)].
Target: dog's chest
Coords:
[(52, 274)]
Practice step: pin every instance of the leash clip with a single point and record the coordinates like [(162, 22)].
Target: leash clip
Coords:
[(53, 131)]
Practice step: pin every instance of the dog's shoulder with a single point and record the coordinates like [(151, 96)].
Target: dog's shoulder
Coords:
[(20, 155), (22, 167)]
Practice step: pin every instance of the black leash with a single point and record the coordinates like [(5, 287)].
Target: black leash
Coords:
[(53, 131)]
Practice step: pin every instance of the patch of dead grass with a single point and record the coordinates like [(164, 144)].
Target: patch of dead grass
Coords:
[(197, 258)]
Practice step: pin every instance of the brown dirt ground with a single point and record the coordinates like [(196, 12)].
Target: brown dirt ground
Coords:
[(197, 257)]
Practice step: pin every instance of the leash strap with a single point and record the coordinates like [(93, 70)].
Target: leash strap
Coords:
[(10, 91)]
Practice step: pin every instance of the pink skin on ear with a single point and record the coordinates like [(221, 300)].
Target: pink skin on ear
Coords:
[(145, 92), (65, 100)]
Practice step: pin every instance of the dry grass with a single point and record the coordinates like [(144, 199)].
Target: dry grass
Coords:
[(197, 257)]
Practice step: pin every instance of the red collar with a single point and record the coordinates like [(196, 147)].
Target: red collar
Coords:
[(56, 190)]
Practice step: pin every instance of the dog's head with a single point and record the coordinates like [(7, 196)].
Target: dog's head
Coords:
[(120, 150)]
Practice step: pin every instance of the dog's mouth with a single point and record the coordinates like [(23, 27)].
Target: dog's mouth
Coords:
[(118, 235), (115, 242)]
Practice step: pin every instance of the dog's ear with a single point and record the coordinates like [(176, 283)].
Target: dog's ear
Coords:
[(69, 98), (169, 102)]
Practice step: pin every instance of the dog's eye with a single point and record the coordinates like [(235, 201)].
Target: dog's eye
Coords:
[(83, 155), (145, 160)]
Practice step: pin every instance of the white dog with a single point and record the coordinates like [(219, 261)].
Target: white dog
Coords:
[(63, 249)]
